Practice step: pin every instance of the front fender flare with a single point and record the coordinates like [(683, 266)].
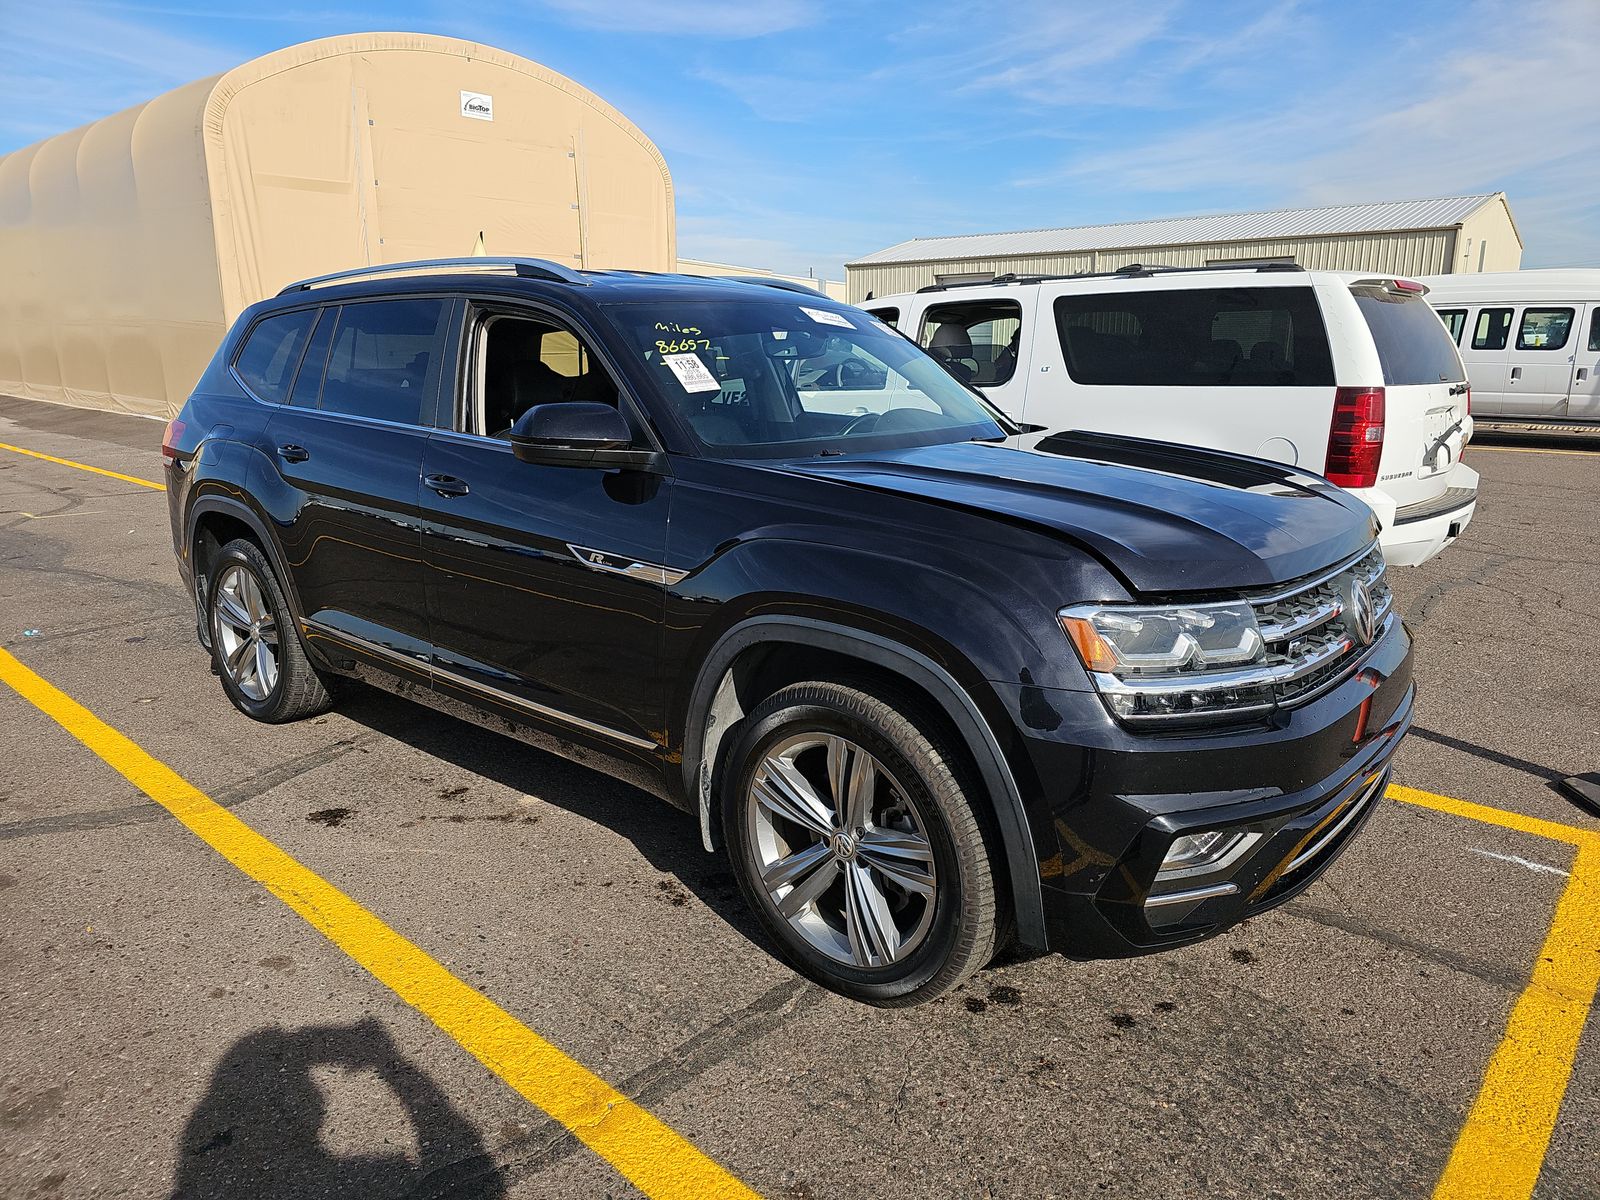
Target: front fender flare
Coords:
[(703, 735)]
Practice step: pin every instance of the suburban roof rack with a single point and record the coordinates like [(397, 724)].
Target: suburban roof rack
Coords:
[(1131, 271), (527, 268)]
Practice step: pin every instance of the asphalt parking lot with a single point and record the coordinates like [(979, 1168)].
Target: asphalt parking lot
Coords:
[(170, 1025)]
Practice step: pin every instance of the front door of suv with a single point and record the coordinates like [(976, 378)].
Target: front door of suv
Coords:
[(544, 584), (347, 451)]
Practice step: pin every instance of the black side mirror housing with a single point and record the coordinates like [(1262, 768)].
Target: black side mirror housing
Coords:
[(577, 434)]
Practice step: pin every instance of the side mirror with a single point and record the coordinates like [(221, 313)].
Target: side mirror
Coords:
[(577, 434)]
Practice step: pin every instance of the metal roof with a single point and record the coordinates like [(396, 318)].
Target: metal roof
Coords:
[(1443, 212)]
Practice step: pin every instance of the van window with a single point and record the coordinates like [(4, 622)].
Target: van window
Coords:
[(385, 358), (1196, 337), (1455, 320), (1413, 347), (1594, 330), (1492, 329), (271, 352), (889, 316), (975, 341), (1544, 328)]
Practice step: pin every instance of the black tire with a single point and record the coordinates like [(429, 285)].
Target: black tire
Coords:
[(926, 776), (299, 690)]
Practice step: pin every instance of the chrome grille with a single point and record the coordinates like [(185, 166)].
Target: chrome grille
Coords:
[(1311, 630)]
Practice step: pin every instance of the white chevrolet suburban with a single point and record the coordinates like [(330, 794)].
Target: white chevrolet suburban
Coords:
[(1348, 375)]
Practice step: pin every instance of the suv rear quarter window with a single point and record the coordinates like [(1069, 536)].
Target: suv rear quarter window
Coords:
[(385, 359), (1196, 337), (1413, 345), (271, 352), (975, 341)]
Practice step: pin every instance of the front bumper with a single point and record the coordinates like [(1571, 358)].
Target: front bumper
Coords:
[(1303, 783)]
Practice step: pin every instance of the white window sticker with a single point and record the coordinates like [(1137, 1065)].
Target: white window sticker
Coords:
[(692, 373), (823, 317), (477, 105)]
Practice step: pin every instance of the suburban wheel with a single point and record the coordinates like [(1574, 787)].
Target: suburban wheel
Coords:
[(857, 845), (256, 647)]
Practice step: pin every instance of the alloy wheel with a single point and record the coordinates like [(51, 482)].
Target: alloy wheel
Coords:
[(246, 633), (842, 853)]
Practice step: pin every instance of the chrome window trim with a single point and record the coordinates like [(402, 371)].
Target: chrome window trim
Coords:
[(530, 706)]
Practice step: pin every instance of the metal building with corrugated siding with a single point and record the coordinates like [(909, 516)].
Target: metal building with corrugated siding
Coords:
[(1402, 237)]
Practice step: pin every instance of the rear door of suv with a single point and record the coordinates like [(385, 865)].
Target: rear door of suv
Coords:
[(1202, 360), (346, 459), (1425, 388)]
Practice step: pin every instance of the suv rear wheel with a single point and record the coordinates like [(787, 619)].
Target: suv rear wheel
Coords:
[(254, 642), (858, 846)]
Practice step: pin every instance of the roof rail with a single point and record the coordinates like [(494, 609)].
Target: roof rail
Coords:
[(1131, 271), (526, 268), (765, 281)]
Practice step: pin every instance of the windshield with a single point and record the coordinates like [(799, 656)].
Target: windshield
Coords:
[(781, 376)]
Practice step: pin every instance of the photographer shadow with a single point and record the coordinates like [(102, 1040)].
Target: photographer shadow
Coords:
[(261, 1130)]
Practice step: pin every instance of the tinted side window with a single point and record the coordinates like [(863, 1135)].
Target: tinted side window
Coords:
[(1544, 328), (1492, 330), (1413, 346), (977, 341), (308, 384), (1201, 337), (1594, 330), (271, 353), (889, 316), (385, 360), (1455, 320)]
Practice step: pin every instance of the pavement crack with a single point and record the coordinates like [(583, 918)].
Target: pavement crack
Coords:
[(1503, 978)]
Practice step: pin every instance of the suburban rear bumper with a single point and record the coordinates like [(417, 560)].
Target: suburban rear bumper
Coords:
[(1415, 533)]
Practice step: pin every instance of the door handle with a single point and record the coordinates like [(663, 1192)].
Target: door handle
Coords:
[(1516, 372), (446, 485), (293, 453), (1583, 373)]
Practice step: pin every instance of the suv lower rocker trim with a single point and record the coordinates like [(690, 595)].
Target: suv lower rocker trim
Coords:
[(454, 677)]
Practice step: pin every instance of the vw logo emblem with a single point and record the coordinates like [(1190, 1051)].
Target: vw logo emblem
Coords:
[(1363, 616)]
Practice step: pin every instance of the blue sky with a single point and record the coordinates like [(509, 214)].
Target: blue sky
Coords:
[(803, 133)]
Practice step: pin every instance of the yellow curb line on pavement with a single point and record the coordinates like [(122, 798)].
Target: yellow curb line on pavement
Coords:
[(67, 462), (655, 1158), (1501, 1148)]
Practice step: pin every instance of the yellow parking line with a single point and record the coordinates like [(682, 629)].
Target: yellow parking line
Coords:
[(1506, 819), (67, 462), (649, 1153), (1501, 1148)]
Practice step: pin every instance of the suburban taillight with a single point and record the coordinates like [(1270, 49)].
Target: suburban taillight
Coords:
[(169, 439), (1466, 399), (1355, 442), (1408, 285)]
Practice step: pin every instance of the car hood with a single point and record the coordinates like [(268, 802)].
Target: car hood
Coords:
[(1166, 518)]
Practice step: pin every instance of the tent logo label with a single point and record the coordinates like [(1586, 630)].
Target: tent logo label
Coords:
[(477, 105)]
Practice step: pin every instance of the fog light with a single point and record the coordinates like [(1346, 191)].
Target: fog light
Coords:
[(1210, 850)]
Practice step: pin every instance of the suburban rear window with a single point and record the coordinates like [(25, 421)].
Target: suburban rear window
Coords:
[(1414, 347), (271, 352), (1197, 337)]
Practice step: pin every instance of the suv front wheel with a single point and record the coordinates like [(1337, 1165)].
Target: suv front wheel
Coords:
[(858, 846), (254, 642)]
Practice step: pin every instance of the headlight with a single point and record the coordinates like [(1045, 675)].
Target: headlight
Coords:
[(1172, 661)]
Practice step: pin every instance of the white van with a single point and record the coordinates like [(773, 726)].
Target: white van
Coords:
[(1347, 375), (1530, 341)]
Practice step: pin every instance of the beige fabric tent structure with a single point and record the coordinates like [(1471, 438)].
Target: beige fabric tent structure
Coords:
[(129, 245)]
